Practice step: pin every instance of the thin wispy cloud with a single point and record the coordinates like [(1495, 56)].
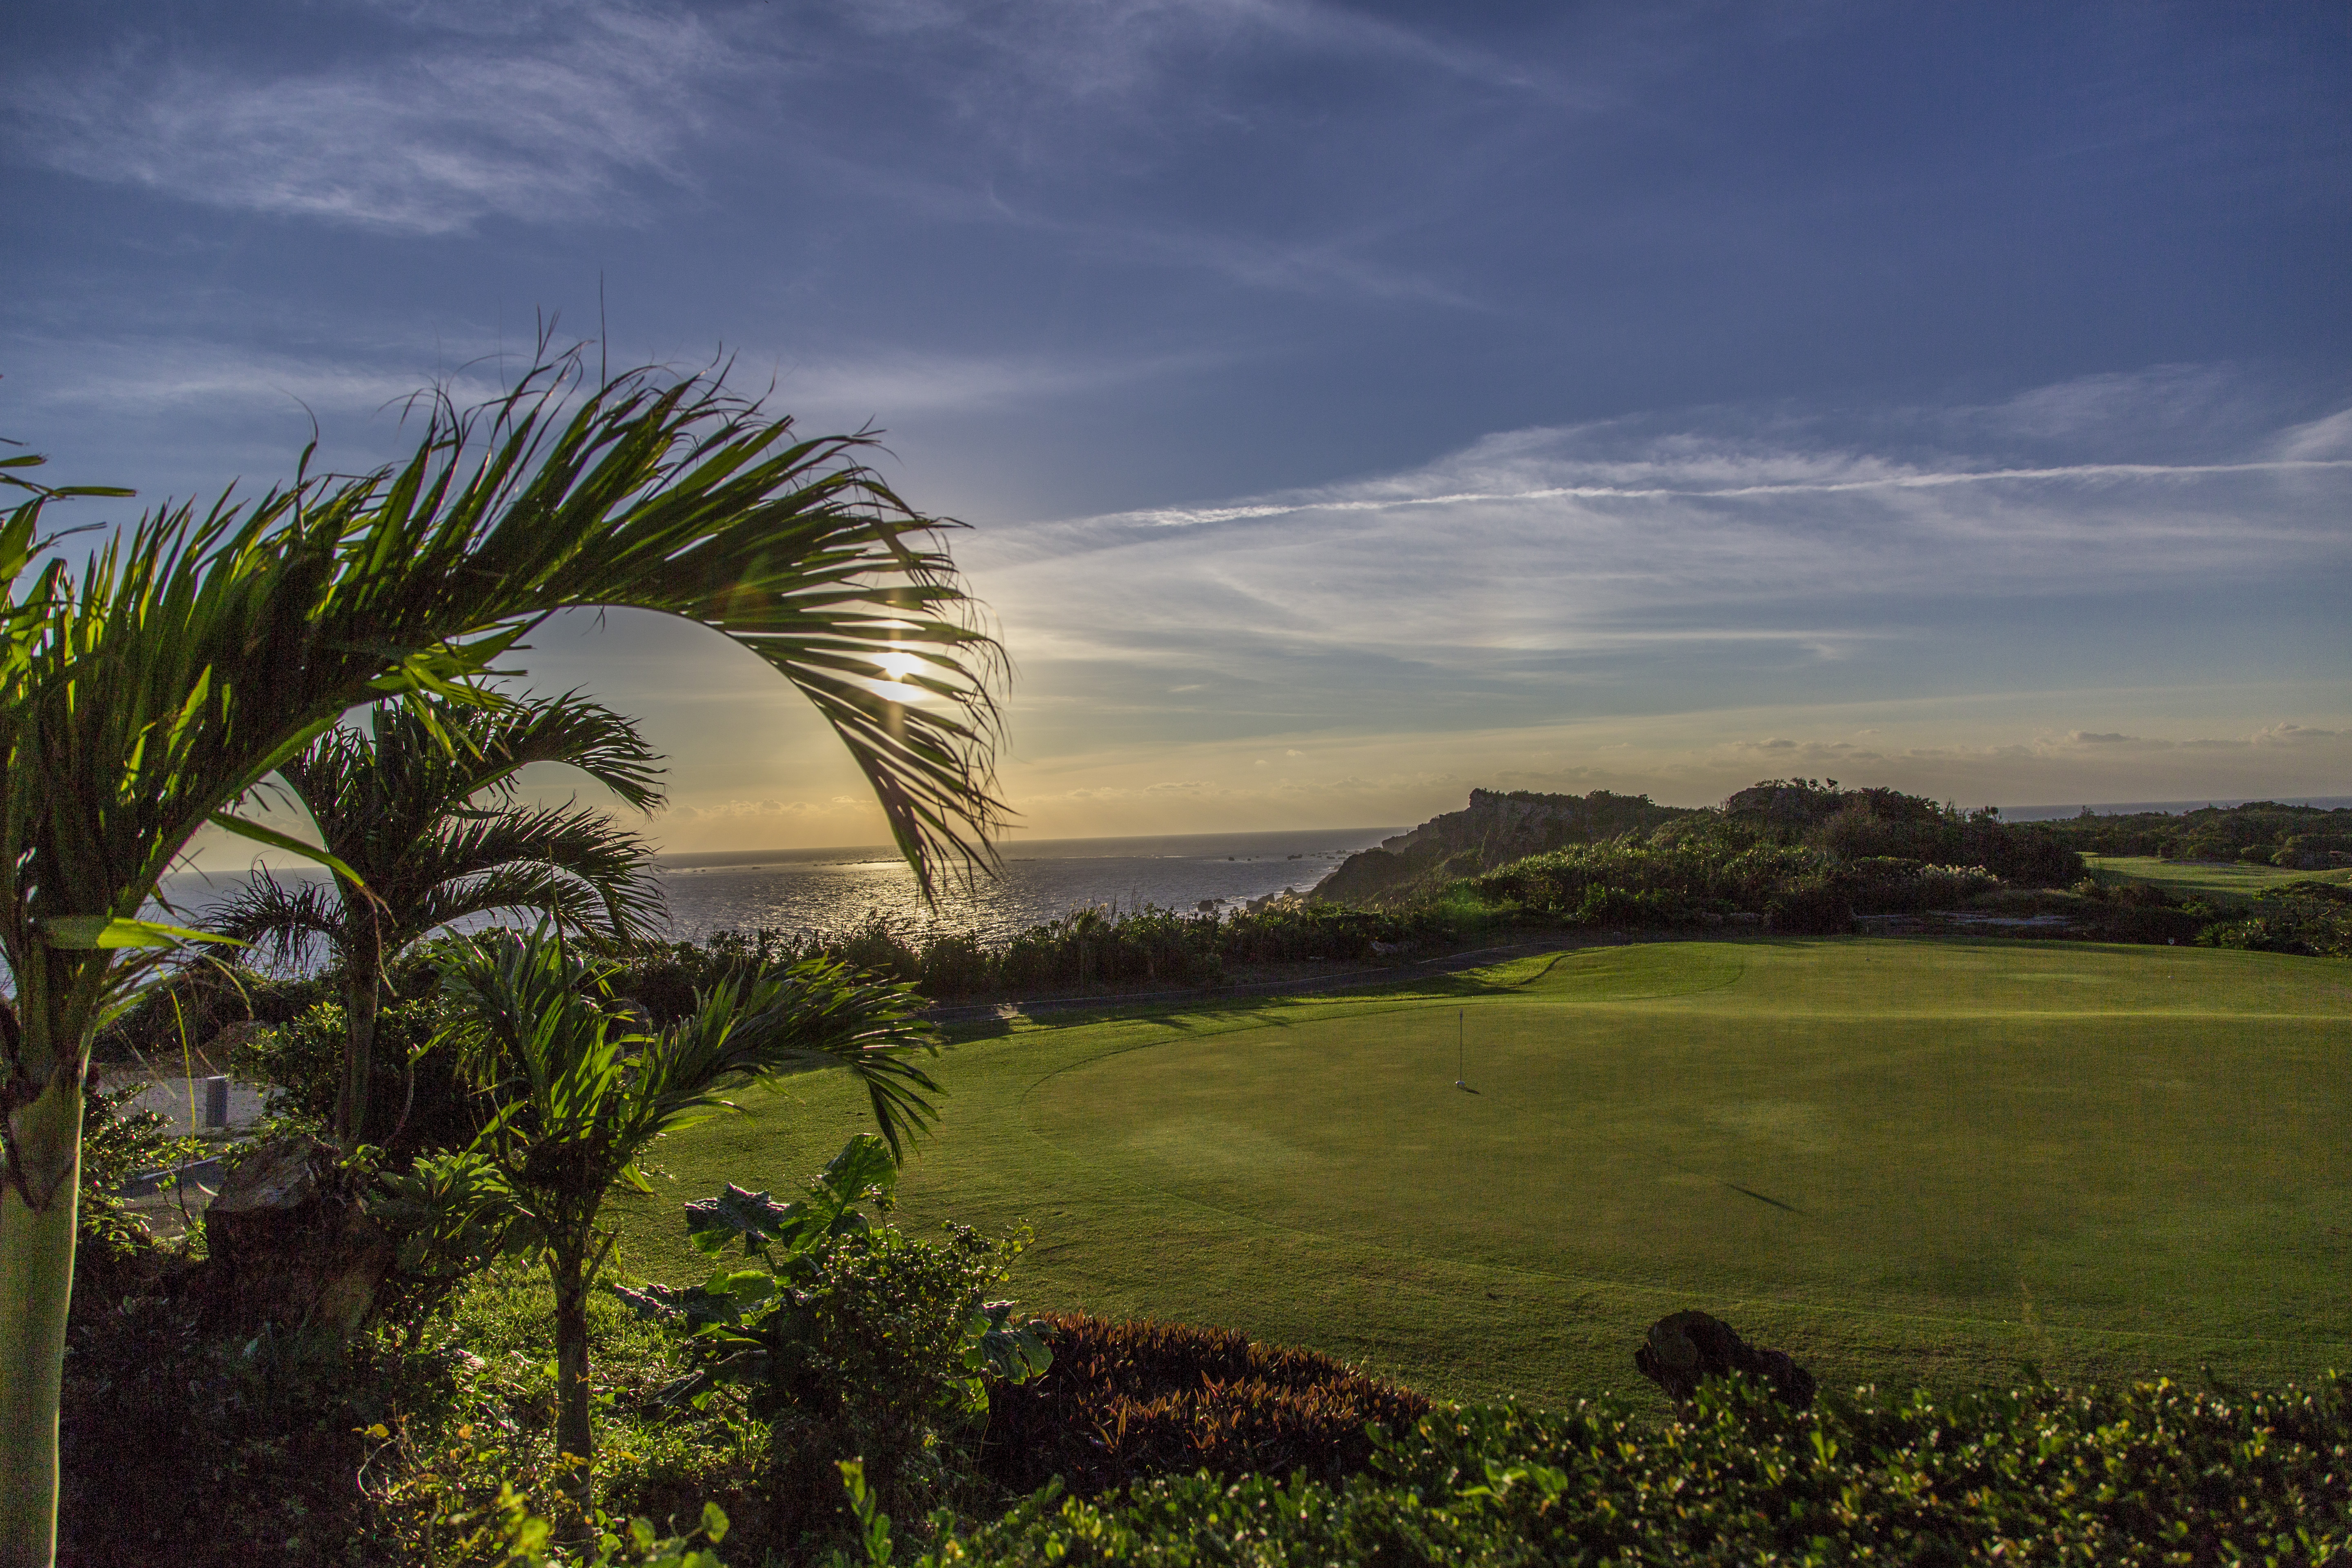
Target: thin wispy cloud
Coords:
[(429, 138), (1532, 548), (1123, 49)]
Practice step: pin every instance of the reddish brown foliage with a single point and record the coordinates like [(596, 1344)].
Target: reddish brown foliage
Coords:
[(1126, 1400)]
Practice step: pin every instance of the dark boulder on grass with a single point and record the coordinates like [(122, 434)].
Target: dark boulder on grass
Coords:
[(1685, 1348)]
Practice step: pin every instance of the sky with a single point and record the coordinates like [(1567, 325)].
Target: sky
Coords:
[(1351, 404)]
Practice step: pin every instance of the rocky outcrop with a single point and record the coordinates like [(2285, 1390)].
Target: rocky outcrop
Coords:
[(1494, 830), (1685, 1348), (290, 1242)]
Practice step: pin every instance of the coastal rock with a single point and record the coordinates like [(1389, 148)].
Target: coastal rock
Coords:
[(1494, 830), (1685, 1349)]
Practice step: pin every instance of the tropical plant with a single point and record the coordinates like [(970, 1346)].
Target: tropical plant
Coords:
[(422, 813), (193, 654), (583, 1092), (869, 1341)]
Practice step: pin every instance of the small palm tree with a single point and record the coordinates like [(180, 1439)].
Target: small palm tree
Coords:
[(145, 692), (420, 817), (580, 1092)]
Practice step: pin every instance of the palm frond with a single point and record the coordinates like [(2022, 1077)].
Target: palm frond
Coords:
[(571, 847), (414, 756), (280, 923), (817, 1014), (542, 892), (193, 655)]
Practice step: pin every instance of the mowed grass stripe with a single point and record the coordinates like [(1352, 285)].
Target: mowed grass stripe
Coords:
[(2145, 1176)]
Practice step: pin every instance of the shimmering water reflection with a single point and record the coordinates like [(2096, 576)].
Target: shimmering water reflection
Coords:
[(1044, 880)]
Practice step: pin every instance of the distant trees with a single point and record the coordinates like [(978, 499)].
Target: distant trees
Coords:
[(2260, 832)]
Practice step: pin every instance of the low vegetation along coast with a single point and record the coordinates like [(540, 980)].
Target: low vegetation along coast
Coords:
[(2023, 1140)]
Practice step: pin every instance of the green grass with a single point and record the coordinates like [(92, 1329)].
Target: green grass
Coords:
[(1903, 1161), (2223, 881)]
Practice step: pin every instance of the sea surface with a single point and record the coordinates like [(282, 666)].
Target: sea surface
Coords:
[(1040, 881), (832, 890)]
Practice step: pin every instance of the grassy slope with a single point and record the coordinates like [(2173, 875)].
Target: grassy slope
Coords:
[(2221, 881), (1956, 1157)]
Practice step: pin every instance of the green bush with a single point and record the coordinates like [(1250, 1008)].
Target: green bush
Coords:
[(416, 1099), (850, 1338), (1817, 906), (187, 1011), (2150, 1474), (112, 1250), (2308, 918)]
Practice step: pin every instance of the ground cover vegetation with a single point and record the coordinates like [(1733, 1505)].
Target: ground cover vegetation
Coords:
[(2154, 1473), (1917, 1163)]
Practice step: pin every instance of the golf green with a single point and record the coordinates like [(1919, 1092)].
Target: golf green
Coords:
[(1903, 1161)]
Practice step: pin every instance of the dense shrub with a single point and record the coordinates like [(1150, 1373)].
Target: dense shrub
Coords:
[(1084, 950), (1628, 883), (2261, 831), (2311, 918), (113, 1253), (416, 1098), (2151, 1474), (1813, 906), (1126, 1400), (848, 1339), (1689, 873)]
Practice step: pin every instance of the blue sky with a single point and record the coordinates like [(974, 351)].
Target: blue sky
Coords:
[(1352, 404)]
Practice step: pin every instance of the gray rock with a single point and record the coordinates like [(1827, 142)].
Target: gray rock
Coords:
[(289, 1243)]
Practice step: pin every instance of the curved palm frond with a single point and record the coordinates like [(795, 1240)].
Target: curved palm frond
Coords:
[(195, 653), (279, 923), (817, 1014), (572, 849), (415, 757), (540, 892), (375, 796)]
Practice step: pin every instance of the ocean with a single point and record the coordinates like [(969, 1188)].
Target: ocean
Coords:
[(1042, 880), (832, 890)]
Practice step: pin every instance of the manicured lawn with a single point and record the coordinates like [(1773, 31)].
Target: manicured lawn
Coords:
[(2224, 881), (1903, 1161)]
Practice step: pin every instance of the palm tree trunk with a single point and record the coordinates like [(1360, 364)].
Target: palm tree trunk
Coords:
[(573, 1437), (36, 1257), (362, 998)]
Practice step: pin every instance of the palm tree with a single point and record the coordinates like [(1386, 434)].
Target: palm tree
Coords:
[(580, 1094), (394, 808), (193, 655)]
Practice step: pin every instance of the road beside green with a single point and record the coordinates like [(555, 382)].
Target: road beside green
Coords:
[(1904, 1161)]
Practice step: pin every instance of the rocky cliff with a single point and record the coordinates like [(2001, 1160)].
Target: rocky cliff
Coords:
[(1494, 830)]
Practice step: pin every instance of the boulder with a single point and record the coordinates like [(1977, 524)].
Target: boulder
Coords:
[(1685, 1349), (288, 1242)]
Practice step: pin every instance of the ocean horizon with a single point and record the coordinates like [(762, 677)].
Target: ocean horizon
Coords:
[(834, 889)]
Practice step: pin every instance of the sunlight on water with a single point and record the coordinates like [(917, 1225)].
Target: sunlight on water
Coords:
[(834, 889)]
